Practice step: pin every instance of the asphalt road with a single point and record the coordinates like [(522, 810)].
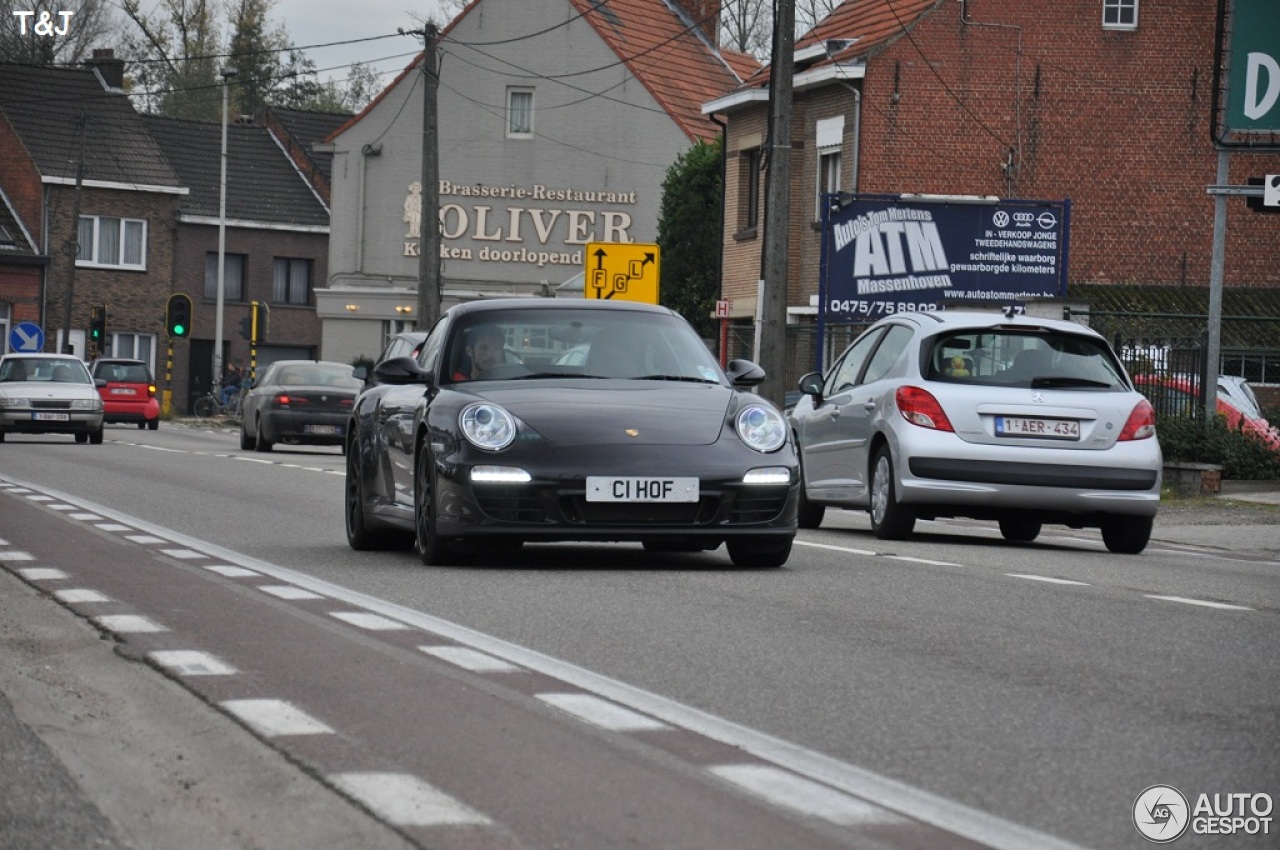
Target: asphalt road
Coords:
[(957, 682)]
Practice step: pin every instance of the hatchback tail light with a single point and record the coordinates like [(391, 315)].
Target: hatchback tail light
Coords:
[(151, 390), (1141, 424), (919, 407), (285, 399)]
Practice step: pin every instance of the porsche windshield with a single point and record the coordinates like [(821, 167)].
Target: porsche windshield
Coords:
[(512, 344)]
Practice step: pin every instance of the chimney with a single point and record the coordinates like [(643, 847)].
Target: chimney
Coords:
[(109, 68), (704, 13)]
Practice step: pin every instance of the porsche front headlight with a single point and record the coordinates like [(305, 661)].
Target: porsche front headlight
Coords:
[(762, 428), (487, 426)]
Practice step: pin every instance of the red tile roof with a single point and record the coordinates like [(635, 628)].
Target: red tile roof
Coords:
[(870, 23), (662, 47), (668, 54)]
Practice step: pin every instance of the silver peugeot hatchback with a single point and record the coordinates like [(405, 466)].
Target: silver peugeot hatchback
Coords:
[(1020, 420)]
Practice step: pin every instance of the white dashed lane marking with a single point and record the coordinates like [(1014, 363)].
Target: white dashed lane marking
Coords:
[(785, 789), (74, 595), (406, 801), (231, 571), (1048, 579), (146, 539), (124, 624), (288, 591), (470, 659), (42, 573), (186, 662), (15, 555), (1202, 602), (602, 713), (274, 717), (365, 620), (184, 554)]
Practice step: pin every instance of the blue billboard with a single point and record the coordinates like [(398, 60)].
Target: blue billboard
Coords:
[(885, 254)]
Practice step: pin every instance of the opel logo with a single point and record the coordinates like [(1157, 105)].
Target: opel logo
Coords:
[(1038, 398), (632, 432)]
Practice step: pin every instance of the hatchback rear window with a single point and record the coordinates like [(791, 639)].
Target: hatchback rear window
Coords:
[(1015, 357)]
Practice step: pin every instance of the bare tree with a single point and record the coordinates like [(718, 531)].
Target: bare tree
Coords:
[(61, 31), (174, 58)]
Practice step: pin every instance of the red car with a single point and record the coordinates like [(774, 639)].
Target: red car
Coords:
[(130, 393), (1180, 394)]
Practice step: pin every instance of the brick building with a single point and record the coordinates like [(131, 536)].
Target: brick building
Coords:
[(70, 139), (277, 238), (1095, 101)]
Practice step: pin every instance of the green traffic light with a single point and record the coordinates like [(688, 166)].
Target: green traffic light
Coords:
[(179, 330)]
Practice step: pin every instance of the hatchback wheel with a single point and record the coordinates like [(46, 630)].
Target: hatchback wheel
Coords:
[(889, 519), (153, 424), (1127, 535), (1019, 529), (808, 515), (246, 442)]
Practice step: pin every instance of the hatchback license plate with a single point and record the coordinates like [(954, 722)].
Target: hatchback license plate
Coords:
[(1053, 429), (602, 488), (123, 391), (51, 417), (323, 430)]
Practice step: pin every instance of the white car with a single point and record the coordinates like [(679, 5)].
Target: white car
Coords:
[(49, 394), (1019, 420)]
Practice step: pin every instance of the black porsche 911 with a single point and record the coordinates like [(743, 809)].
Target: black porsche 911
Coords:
[(538, 420)]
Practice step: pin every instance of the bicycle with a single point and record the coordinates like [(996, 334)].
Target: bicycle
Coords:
[(210, 404)]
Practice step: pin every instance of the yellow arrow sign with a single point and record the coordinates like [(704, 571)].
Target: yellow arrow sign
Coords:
[(622, 271)]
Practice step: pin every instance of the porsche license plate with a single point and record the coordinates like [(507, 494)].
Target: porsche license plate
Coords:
[(602, 488), (1054, 429), (51, 417)]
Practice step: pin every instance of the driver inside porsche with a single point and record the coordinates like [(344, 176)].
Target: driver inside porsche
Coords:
[(483, 350)]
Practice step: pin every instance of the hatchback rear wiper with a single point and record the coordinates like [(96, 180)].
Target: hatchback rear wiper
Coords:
[(1068, 381)]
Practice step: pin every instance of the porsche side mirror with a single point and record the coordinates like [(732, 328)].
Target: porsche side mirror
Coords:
[(400, 370), (744, 373)]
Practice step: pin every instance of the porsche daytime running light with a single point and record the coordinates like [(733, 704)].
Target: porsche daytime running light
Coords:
[(762, 428), (768, 475), (487, 426), (500, 475)]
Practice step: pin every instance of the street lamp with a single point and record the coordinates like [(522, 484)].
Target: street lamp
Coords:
[(226, 74)]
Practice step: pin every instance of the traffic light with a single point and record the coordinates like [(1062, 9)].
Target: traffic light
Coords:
[(177, 320), (246, 328), (262, 318), (97, 325)]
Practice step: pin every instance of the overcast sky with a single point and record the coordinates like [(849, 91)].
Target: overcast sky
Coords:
[(311, 22)]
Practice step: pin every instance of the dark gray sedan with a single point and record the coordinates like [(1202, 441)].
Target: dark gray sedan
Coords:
[(299, 402)]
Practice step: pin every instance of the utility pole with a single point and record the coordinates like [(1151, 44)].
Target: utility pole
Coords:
[(73, 243), (771, 323), (226, 74), (429, 243)]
